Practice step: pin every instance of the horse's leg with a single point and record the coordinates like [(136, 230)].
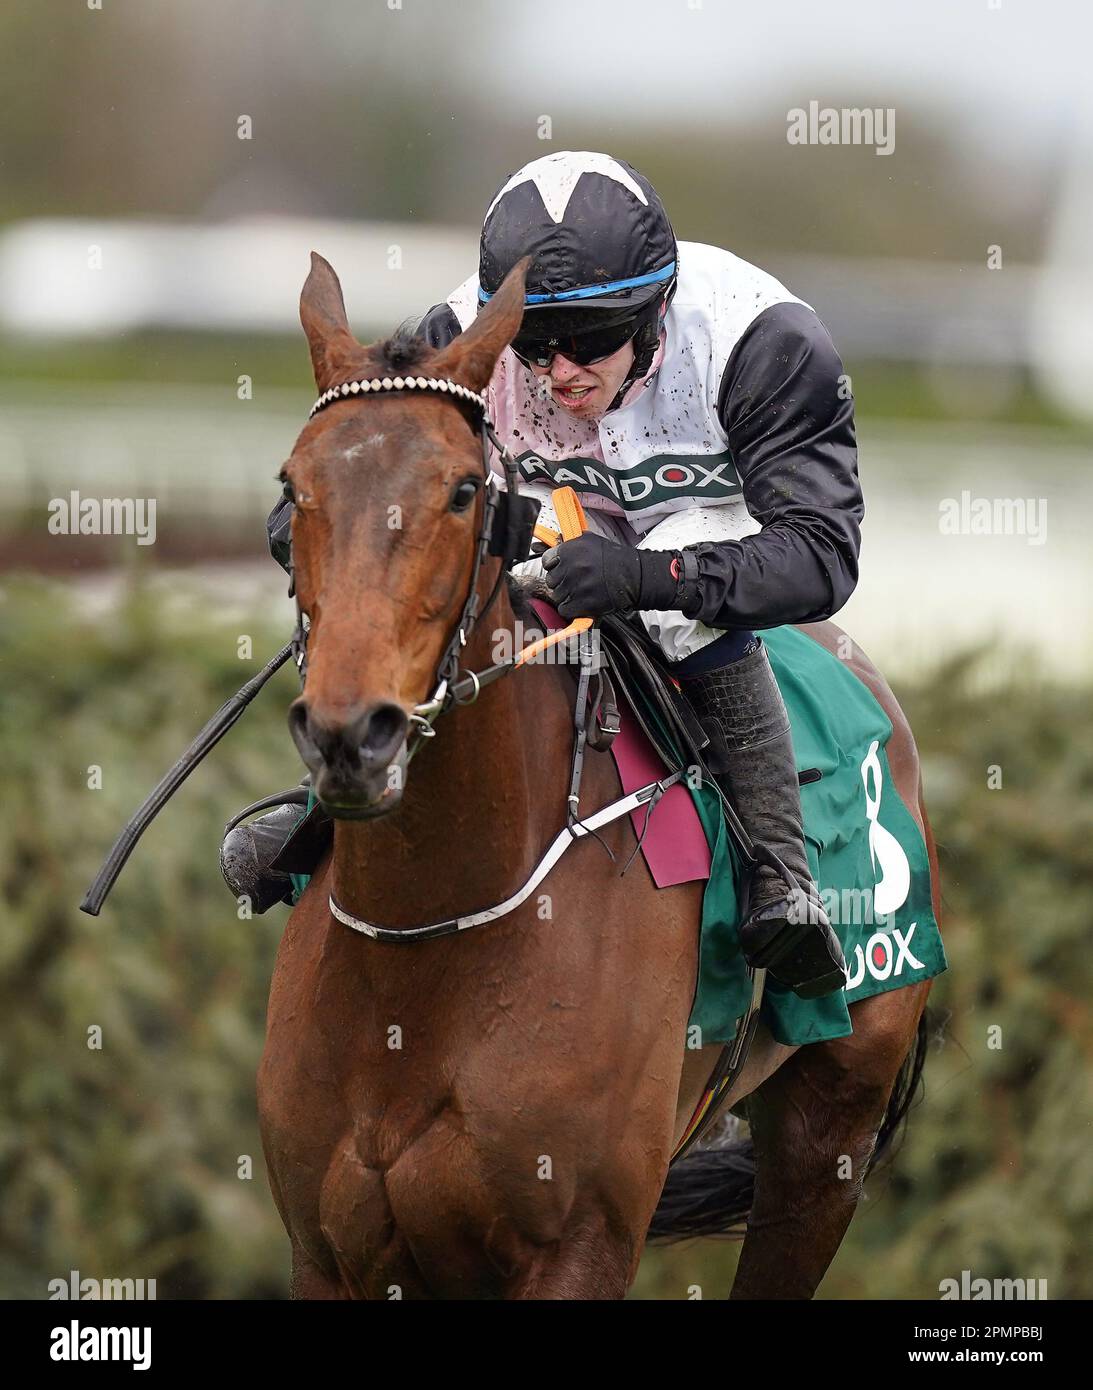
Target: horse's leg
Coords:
[(814, 1124), (764, 1057), (584, 1266), (311, 1282)]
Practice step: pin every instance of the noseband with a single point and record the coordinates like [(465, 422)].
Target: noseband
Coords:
[(506, 531)]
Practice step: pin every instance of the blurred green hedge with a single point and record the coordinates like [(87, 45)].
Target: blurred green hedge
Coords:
[(123, 1161)]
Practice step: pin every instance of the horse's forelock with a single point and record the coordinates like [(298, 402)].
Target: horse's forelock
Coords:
[(402, 351)]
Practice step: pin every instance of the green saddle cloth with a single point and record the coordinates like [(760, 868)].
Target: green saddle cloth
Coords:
[(866, 852)]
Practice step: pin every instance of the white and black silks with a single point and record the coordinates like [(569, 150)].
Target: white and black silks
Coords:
[(749, 407)]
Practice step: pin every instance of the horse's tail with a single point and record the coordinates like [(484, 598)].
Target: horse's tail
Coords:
[(709, 1192)]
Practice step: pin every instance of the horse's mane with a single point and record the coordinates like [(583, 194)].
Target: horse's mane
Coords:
[(521, 591)]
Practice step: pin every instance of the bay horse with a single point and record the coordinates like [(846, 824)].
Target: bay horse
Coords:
[(490, 1114)]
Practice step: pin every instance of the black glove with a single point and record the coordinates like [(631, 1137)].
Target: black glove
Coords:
[(590, 576)]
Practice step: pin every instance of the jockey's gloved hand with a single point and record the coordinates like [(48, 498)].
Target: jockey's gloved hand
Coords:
[(590, 576)]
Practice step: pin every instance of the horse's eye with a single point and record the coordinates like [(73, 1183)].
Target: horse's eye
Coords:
[(288, 490), (464, 494)]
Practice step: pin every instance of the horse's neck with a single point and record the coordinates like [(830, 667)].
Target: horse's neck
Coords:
[(472, 820)]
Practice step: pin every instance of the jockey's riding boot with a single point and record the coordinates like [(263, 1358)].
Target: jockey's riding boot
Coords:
[(248, 851), (258, 857), (786, 931)]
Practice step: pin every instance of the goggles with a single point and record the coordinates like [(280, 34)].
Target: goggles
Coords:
[(585, 348)]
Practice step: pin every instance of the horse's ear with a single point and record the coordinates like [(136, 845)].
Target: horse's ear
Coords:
[(471, 358), (322, 313)]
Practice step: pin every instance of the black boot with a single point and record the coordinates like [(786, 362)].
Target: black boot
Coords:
[(257, 857), (247, 853), (786, 931)]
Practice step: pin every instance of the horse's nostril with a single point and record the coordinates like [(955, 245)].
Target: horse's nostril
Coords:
[(384, 730), (299, 726), (347, 745), (297, 720)]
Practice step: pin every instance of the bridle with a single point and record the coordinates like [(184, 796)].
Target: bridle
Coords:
[(506, 531), (508, 521)]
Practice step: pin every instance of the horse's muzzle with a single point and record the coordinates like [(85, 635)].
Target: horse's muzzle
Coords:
[(357, 760)]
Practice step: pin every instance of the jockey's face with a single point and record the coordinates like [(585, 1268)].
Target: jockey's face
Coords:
[(586, 392)]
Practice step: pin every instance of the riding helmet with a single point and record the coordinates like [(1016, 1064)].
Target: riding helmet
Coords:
[(603, 249)]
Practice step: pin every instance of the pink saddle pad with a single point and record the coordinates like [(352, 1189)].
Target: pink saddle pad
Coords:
[(675, 847)]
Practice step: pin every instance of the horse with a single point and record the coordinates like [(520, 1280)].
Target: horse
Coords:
[(491, 1113)]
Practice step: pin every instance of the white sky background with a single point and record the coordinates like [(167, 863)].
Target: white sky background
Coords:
[(1015, 80), (1020, 73)]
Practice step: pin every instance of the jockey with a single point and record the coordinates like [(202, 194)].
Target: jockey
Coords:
[(700, 411)]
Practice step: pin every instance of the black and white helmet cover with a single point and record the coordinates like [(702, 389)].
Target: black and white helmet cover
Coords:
[(603, 250)]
